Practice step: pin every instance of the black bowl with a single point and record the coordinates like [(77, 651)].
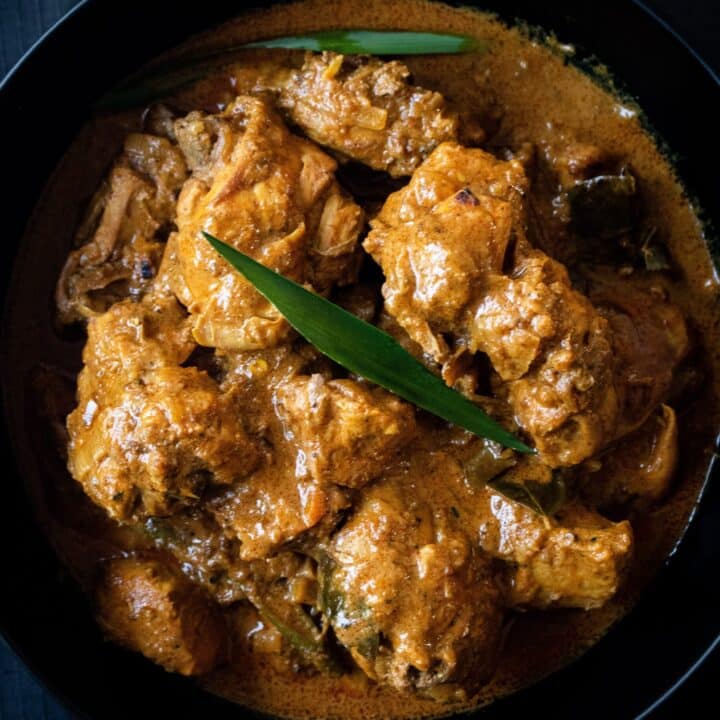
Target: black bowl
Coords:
[(43, 616)]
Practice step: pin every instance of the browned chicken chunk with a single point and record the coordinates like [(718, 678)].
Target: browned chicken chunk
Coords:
[(440, 239), (273, 508), (345, 433), (120, 242), (162, 439), (131, 338), (577, 559), (148, 435), (406, 589), (271, 195), (579, 567), (367, 110), (145, 606)]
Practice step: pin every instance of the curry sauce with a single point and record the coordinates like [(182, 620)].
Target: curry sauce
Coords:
[(249, 487)]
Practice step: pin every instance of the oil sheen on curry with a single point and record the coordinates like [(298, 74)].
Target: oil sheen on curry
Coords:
[(242, 510)]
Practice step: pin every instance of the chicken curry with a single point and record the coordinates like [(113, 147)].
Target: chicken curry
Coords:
[(241, 509)]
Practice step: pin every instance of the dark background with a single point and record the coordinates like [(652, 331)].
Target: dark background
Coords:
[(22, 22)]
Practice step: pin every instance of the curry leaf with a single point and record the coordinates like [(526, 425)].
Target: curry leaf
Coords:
[(364, 349), (149, 85), (343, 615), (543, 498), (486, 464), (295, 626), (604, 206)]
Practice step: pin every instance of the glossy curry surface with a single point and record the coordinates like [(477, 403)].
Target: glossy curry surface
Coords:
[(240, 509)]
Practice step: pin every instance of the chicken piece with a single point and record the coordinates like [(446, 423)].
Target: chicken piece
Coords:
[(345, 433), (406, 590), (458, 266), (576, 559), (120, 242), (145, 606), (580, 564), (154, 448), (361, 108), (421, 240), (367, 110), (131, 338), (273, 507), (554, 354), (269, 194), (148, 435), (639, 469)]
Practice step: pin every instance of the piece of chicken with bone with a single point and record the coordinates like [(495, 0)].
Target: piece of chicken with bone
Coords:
[(406, 589), (367, 110), (148, 435), (120, 242), (345, 433), (572, 557), (269, 194)]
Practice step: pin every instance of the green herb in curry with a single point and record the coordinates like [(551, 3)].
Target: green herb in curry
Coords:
[(604, 206), (364, 349), (544, 498), (148, 85), (373, 42)]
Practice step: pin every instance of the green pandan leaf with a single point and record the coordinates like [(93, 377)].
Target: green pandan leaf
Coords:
[(149, 85), (364, 349)]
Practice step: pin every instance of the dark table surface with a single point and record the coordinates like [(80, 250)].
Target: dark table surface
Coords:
[(22, 22)]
